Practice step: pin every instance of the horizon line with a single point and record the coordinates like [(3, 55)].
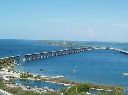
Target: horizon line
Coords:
[(63, 40)]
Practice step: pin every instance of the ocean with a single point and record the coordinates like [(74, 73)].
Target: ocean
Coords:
[(96, 66)]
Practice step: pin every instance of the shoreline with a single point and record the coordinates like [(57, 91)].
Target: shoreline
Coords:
[(67, 83), (7, 72)]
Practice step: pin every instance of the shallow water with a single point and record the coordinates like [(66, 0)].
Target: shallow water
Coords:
[(40, 84)]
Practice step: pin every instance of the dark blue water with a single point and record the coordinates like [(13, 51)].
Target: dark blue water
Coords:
[(21, 47), (99, 66)]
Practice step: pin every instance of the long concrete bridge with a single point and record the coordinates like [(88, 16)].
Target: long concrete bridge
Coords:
[(50, 54)]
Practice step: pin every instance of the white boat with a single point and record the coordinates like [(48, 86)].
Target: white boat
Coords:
[(74, 70), (125, 74)]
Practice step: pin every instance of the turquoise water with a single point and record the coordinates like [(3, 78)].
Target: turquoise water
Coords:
[(97, 66)]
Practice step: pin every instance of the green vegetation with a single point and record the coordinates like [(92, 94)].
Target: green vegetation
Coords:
[(37, 77), (19, 91), (82, 88), (13, 90), (51, 93), (66, 44), (76, 89), (5, 63), (25, 75)]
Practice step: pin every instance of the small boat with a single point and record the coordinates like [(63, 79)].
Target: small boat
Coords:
[(46, 88), (18, 64), (74, 71), (125, 74), (88, 93)]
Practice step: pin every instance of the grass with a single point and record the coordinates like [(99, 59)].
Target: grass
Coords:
[(82, 88)]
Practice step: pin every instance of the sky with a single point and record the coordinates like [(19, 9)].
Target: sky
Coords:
[(82, 20)]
